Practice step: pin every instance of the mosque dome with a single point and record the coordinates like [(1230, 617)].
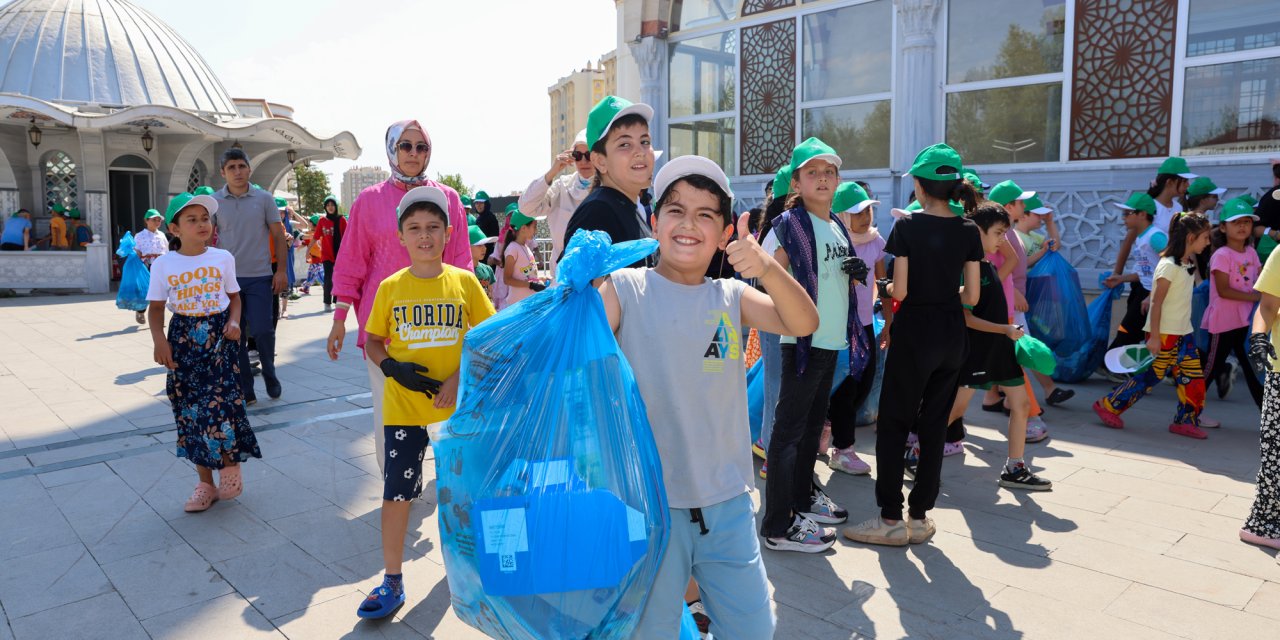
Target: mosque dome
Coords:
[(105, 52)]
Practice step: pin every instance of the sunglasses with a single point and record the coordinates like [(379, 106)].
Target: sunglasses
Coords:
[(579, 156), (408, 147)]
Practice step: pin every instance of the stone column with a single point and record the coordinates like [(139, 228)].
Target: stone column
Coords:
[(918, 100), (651, 59), (97, 266)]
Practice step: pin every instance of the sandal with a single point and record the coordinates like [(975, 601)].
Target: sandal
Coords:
[(380, 604), (230, 482), (994, 407), (202, 498)]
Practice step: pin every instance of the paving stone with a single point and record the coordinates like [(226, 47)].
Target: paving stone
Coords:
[(1032, 617), (39, 581), (793, 623), (1234, 507), (165, 580), (103, 616), (74, 475), (1236, 557), (884, 613), (1153, 490), (111, 519), (1266, 602), (282, 579), (329, 533), (1176, 518), (114, 445), (272, 495), (231, 615), (1188, 617), (427, 607), (226, 531), (1242, 484), (336, 619)]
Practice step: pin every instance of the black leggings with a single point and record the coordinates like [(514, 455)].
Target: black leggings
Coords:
[(328, 282), (849, 396), (1131, 326), (793, 447), (1215, 362)]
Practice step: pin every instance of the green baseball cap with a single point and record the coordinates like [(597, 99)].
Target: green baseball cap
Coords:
[(1139, 201), (58, 208), (851, 197), (519, 219), (315, 218), (915, 207), (481, 197), (1248, 197), (203, 191), (1034, 205), (1178, 167), (512, 207), (184, 200), (333, 198), (973, 179), (932, 159), (1203, 186), (478, 238), (73, 213), (1134, 358), (1035, 355), (810, 150), (281, 203), (608, 111), (471, 219), (466, 201), (151, 213), (1007, 192), (1237, 208), (782, 182)]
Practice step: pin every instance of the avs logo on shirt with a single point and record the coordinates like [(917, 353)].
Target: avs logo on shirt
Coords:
[(725, 344)]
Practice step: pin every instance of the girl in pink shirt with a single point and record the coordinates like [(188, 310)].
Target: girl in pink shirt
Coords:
[(519, 266), (1233, 269), (371, 249)]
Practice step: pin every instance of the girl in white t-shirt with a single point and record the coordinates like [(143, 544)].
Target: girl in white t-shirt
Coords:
[(519, 265), (198, 284)]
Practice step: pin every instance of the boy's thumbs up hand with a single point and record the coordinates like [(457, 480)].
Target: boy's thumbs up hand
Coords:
[(745, 254)]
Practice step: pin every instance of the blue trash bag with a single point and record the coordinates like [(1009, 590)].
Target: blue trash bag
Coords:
[(1080, 364), (1200, 302), (552, 511), (869, 412), (688, 628), (1057, 315), (135, 278)]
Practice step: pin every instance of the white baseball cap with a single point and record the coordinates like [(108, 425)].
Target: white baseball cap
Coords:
[(685, 166), (1132, 358), (434, 195)]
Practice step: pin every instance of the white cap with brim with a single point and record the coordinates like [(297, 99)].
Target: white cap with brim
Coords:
[(862, 206), (685, 166), (580, 138), (1040, 210), (899, 214), (1132, 358), (434, 195), (488, 240)]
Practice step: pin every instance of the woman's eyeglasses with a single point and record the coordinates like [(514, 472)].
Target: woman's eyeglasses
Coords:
[(408, 147), (579, 156)]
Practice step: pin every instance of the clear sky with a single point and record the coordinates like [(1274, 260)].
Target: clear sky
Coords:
[(474, 72)]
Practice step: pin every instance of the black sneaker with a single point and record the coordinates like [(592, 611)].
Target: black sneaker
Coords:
[(1021, 478), (1224, 380), (250, 399), (804, 536), (1059, 396), (273, 386)]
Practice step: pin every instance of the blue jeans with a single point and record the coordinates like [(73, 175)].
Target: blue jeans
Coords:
[(257, 302), (771, 353)]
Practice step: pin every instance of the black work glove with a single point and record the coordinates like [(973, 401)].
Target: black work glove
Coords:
[(1261, 352), (537, 286), (882, 286), (410, 376), (856, 268)]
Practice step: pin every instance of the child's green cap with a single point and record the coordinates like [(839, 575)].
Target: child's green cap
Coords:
[(1237, 208), (782, 182), (810, 150), (930, 161), (1007, 192), (281, 203), (1178, 167), (1203, 186), (851, 197), (1035, 355), (1248, 197), (471, 219), (73, 213), (481, 197), (608, 111), (1034, 205), (973, 179), (512, 208), (151, 213), (330, 198), (478, 238), (315, 219), (466, 201), (915, 207), (57, 208), (1139, 201), (203, 191), (184, 200), (519, 219)]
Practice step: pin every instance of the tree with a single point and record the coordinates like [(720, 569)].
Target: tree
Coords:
[(454, 180), (313, 186)]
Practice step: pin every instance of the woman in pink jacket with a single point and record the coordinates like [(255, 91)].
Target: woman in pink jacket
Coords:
[(371, 248)]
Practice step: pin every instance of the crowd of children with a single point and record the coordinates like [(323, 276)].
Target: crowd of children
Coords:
[(813, 275)]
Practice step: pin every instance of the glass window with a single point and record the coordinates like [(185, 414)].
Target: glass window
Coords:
[(687, 14), (838, 65), (858, 132), (702, 76), (989, 39), (1232, 108), (1007, 125), (1219, 26), (708, 138)]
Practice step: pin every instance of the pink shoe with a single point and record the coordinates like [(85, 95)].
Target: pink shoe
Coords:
[(1109, 419), (953, 449), (202, 498), (1188, 430), (230, 483), (847, 460), (1253, 538), (824, 441)]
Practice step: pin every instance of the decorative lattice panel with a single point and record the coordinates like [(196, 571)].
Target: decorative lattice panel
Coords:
[(60, 181), (196, 177), (1122, 81), (768, 96), (752, 7)]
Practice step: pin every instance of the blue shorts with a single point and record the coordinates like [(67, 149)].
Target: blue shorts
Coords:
[(257, 302), (730, 573), (402, 462)]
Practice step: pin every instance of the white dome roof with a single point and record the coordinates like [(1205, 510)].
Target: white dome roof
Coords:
[(102, 51)]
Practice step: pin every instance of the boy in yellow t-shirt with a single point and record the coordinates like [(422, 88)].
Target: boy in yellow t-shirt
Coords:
[(415, 331)]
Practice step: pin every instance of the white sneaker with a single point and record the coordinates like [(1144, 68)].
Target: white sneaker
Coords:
[(804, 536), (824, 510)]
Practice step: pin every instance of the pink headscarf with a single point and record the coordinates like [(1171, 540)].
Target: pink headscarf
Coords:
[(393, 136)]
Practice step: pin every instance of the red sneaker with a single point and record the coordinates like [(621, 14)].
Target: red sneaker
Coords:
[(1188, 430), (1110, 420)]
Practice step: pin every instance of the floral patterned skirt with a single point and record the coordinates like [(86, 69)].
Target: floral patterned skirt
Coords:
[(204, 390), (1264, 518)]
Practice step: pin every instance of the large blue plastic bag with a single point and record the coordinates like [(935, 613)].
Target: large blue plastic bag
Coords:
[(869, 412), (1081, 363), (553, 515), (135, 279), (1057, 315)]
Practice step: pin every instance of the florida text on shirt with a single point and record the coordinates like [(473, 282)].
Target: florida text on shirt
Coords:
[(425, 324)]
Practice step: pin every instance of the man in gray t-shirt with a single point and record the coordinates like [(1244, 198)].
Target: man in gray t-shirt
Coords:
[(248, 222)]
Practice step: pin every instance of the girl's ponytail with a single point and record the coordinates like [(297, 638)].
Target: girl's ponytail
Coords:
[(964, 193)]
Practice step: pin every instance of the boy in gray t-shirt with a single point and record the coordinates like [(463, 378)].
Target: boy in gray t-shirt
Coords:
[(682, 334)]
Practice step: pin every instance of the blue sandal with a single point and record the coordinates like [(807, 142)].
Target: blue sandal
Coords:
[(380, 604)]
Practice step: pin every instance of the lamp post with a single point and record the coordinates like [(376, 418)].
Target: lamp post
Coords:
[(34, 133), (148, 140)]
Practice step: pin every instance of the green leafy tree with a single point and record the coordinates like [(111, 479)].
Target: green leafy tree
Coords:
[(313, 186), (455, 180)]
